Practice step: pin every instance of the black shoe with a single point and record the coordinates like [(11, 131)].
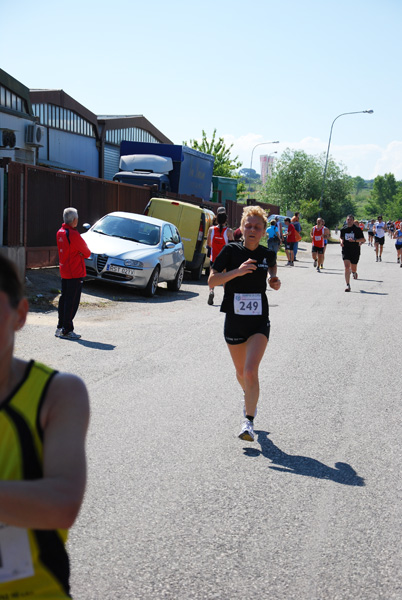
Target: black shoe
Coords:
[(347, 289)]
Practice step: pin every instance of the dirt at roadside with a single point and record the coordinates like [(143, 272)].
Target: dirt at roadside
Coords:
[(43, 287)]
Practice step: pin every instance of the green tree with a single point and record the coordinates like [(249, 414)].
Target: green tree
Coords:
[(337, 202), (394, 208), (296, 184), (296, 177), (359, 184), (385, 189), (225, 165)]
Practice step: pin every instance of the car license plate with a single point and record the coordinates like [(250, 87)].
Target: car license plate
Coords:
[(122, 270)]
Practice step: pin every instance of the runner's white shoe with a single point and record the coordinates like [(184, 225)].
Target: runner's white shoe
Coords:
[(71, 335), (247, 431)]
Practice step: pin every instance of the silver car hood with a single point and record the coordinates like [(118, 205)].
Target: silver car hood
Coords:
[(117, 247)]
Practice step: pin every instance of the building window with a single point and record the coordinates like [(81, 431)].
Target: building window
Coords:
[(61, 118), (132, 134), (10, 100)]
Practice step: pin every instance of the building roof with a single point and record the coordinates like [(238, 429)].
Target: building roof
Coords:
[(60, 98)]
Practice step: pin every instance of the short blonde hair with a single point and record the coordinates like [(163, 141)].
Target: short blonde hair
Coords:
[(254, 211)]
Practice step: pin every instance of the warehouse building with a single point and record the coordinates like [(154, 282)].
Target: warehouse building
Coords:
[(51, 129)]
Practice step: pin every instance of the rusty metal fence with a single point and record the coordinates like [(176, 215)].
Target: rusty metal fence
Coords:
[(36, 198)]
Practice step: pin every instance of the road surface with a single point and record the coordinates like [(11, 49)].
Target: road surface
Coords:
[(177, 507)]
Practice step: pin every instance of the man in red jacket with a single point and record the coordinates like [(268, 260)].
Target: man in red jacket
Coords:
[(290, 242), (72, 251)]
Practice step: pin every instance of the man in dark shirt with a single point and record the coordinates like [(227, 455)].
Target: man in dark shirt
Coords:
[(352, 238)]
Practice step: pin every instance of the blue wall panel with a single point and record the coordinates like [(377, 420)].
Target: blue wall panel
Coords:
[(74, 150)]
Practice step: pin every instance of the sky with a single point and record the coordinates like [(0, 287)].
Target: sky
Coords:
[(256, 71)]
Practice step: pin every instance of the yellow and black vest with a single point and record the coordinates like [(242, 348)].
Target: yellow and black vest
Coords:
[(21, 458)]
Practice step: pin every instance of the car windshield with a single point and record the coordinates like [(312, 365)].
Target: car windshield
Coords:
[(129, 229)]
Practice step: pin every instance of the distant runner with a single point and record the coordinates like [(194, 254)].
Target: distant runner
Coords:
[(371, 232), (317, 235), (398, 246), (218, 236), (380, 227), (351, 239)]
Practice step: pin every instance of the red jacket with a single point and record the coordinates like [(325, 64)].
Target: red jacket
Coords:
[(291, 236), (72, 251)]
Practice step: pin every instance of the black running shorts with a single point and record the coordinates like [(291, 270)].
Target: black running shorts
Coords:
[(379, 241), (351, 254), (238, 328), (317, 250)]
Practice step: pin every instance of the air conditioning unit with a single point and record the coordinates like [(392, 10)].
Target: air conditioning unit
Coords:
[(8, 138), (34, 135)]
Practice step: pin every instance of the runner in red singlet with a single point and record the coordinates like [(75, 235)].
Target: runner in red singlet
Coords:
[(218, 236), (317, 235)]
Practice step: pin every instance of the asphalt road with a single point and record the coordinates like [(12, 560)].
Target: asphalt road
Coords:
[(177, 507)]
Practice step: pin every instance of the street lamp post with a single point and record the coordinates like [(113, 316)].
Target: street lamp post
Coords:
[(252, 153), (329, 143)]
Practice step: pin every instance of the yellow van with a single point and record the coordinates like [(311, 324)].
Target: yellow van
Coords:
[(193, 223)]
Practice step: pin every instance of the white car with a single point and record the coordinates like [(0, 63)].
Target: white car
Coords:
[(136, 251)]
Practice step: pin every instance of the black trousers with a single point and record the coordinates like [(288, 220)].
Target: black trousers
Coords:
[(68, 303)]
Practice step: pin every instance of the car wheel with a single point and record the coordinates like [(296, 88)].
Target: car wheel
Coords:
[(196, 273), (175, 285), (152, 284)]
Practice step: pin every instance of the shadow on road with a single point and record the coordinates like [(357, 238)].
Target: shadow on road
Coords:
[(119, 293), (303, 465), (95, 345)]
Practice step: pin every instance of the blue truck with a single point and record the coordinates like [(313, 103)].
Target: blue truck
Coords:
[(172, 168)]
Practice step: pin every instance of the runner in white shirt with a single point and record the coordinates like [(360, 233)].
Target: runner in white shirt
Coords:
[(380, 227)]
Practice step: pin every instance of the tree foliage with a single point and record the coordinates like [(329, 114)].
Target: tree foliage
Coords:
[(225, 165), (359, 184), (383, 198), (296, 185)]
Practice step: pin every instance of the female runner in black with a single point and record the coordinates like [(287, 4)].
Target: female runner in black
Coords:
[(243, 268)]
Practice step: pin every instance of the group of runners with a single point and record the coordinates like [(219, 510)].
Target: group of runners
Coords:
[(243, 266), (376, 235)]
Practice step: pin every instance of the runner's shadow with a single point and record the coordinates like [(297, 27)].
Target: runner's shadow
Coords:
[(372, 280), (373, 293), (329, 272), (303, 465)]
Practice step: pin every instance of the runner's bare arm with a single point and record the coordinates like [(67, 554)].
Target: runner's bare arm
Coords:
[(273, 281), (53, 502)]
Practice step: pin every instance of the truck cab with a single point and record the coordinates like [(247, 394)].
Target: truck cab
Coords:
[(145, 169)]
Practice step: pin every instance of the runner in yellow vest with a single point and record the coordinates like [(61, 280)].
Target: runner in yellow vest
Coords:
[(43, 422)]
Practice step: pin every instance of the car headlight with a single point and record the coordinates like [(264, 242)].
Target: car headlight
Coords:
[(133, 263)]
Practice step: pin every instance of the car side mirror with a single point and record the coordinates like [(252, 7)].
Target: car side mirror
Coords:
[(169, 245), (86, 226)]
